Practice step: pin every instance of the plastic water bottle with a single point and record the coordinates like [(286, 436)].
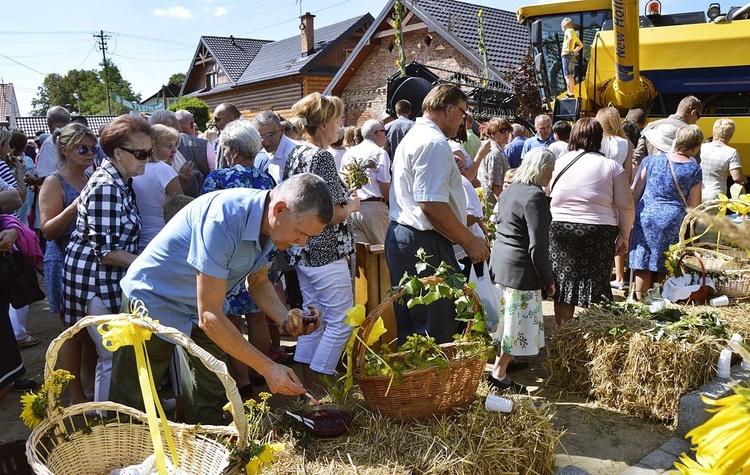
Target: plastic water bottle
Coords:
[(737, 338), (725, 362), (654, 299)]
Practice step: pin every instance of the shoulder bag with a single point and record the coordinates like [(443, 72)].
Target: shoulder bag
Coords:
[(676, 183), (19, 285)]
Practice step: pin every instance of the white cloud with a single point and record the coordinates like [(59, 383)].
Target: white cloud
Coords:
[(174, 12), (218, 11)]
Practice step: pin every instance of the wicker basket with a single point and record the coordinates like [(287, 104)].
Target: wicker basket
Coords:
[(96, 437), (422, 393), (728, 266)]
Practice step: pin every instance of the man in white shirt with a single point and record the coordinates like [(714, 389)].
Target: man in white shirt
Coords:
[(370, 223), (276, 145), (428, 210), (46, 160)]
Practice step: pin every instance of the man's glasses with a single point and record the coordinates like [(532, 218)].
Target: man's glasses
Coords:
[(463, 112), (270, 135), (139, 154), (219, 119), (84, 149), (380, 130)]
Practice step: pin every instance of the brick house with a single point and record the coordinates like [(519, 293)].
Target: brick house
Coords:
[(257, 74), (442, 34)]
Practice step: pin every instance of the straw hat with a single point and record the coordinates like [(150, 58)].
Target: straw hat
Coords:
[(662, 136)]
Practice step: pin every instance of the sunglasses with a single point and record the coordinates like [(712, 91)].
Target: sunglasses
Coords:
[(139, 154), (84, 149)]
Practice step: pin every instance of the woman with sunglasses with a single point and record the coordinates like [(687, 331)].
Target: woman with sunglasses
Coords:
[(58, 208), (105, 240)]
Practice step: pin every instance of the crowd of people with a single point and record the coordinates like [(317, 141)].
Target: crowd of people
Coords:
[(258, 226)]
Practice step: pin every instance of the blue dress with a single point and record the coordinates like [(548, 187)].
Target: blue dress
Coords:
[(238, 176), (659, 214), (54, 253)]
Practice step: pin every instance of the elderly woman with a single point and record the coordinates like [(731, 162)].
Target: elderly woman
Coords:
[(158, 181), (719, 161), (105, 240), (669, 184), (58, 207), (241, 142), (321, 265), (520, 259), (592, 212)]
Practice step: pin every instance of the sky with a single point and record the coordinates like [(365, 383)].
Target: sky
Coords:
[(152, 39)]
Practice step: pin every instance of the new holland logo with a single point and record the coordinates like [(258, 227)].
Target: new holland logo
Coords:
[(624, 73)]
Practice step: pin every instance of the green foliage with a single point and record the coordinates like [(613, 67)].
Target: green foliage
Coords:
[(523, 79), (177, 79), (57, 90), (198, 107)]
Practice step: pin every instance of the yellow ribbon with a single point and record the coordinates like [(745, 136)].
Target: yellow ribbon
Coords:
[(263, 459), (355, 317), (122, 332)]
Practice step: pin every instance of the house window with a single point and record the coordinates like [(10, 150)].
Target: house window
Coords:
[(210, 80)]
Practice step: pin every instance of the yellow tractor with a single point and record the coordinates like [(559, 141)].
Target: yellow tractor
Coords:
[(649, 61)]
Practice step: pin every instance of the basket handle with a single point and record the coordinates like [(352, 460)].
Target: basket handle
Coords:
[(176, 337), (700, 261), (372, 317)]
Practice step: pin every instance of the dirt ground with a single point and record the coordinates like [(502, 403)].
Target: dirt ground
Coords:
[(598, 440)]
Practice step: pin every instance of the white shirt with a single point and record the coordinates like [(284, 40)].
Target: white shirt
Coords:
[(381, 171), (615, 148), (177, 162), (559, 148), (474, 208), (46, 160), (717, 160), (424, 170), (150, 195), (277, 162)]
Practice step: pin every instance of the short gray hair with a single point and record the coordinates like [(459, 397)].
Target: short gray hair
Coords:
[(165, 117), (518, 130), (266, 117), (57, 115), (306, 193), (533, 166), (183, 115), (370, 127), (241, 135)]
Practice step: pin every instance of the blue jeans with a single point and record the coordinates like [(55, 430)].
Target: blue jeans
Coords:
[(569, 63)]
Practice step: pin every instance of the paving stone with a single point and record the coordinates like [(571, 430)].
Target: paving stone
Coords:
[(571, 470), (658, 459), (676, 446), (642, 470)]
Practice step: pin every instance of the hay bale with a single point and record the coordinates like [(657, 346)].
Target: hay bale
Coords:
[(469, 441), (604, 352)]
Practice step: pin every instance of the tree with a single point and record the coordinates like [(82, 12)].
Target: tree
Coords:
[(197, 107), (177, 79), (523, 79), (89, 86)]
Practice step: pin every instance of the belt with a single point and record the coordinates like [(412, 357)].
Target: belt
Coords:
[(375, 198)]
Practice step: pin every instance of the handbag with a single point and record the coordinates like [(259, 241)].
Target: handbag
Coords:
[(20, 285)]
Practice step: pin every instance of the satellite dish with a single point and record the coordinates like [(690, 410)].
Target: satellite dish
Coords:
[(414, 90)]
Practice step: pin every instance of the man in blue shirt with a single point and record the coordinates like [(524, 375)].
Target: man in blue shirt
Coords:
[(184, 274), (514, 148), (543, 137)]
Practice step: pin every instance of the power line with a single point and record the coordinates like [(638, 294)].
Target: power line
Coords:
[(21, 64)]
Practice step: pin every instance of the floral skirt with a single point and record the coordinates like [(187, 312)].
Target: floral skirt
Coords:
[(521, 332), (582, 258)]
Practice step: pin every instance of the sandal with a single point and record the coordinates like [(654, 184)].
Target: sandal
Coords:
[(28, 341)]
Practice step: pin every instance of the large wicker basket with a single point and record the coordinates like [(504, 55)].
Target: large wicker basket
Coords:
[(423, 393), (96, 437), (728, 266)]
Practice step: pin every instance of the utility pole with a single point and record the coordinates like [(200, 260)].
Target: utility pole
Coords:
[(103, 46)]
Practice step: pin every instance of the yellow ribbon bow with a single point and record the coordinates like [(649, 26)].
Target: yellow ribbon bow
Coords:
[(263, 459), (355, 317), (120, 332)]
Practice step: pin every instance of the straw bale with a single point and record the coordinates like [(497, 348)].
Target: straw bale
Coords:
[(469, 441), (628, 370)]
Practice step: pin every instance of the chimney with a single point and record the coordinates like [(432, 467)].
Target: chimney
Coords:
[(307, 29)]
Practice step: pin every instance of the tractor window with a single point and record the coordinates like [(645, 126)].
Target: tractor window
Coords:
[(587, 24)]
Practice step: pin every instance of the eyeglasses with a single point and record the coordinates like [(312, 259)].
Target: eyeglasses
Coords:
[(504, 131), (270, 135), (463, 111), (380, 130), (218, 119), (84, 149), (139, 154)]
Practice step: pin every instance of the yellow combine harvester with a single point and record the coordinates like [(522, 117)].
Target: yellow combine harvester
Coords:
[(649, 61)]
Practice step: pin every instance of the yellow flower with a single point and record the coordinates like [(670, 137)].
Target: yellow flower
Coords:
[(723, 442), (480, 13), (263, 459), (34, 409)]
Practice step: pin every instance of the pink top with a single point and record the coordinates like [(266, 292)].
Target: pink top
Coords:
[(584, 194)]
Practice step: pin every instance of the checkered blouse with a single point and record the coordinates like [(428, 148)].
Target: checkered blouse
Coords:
[(107, 221)]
